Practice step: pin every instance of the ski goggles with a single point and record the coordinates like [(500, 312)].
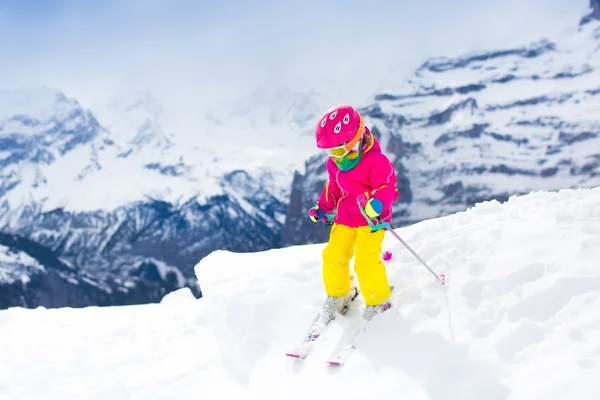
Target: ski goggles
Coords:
[(350, 147), (343, 151)]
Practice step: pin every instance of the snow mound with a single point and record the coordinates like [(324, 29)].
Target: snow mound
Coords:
[(180, 296), (520, 306), (156, 351)]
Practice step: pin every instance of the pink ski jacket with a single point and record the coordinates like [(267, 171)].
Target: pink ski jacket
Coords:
[(374, 176)]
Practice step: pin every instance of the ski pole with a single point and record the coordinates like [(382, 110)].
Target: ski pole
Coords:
[(441, 277), (386, 226)]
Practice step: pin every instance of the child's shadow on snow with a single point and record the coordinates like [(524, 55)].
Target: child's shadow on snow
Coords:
[(444, 368)]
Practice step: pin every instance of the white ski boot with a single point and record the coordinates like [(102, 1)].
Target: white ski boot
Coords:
[(340, 304), (372, 311), (331, 307)]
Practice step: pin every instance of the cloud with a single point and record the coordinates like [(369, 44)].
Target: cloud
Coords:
[(194, 53)]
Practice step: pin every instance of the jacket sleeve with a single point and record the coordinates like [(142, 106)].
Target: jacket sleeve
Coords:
[(331, 193), (383, 182)]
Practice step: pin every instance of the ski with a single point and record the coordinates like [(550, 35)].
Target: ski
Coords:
[(340, 357), (317, 328)]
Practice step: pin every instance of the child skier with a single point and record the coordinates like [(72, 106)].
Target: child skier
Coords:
[(359, 173)]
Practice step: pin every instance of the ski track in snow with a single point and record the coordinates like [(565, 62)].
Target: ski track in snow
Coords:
[(517, 319)]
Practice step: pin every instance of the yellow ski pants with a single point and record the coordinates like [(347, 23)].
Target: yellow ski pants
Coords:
[(344, 242)]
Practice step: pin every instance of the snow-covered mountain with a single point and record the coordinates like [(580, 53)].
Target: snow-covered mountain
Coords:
[(481, 126), (135, 121), (109, 198), (37, 127), (32, 275), (517, 319), (594, 14)]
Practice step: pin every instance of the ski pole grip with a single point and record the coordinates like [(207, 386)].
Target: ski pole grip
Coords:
[(375, 226)]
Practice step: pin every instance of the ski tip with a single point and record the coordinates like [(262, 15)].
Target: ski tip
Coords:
[(334, 363), (293, 355)]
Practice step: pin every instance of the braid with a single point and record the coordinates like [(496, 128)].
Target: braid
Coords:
[(367, 140)]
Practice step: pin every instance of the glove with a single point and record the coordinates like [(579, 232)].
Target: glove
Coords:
[(373, 207), (316, 214)]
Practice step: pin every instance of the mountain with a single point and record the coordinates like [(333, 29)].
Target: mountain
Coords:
[(517, 319), (37, 128), (482, 126), (594, 14), (109, 200), (135, 120), (32, 275)]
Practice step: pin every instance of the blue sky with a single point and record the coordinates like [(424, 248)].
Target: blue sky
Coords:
[(200, 50)]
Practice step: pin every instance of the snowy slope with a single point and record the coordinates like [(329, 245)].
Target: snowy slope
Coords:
[(517, 320), (519, 306)]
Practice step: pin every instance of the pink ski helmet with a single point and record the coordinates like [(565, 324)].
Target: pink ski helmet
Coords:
[(341, 128)]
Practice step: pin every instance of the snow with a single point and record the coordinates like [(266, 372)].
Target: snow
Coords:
[(37, 103), (517, 319), (133, 119), (155, 351), (164, 269), (16, 265)]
